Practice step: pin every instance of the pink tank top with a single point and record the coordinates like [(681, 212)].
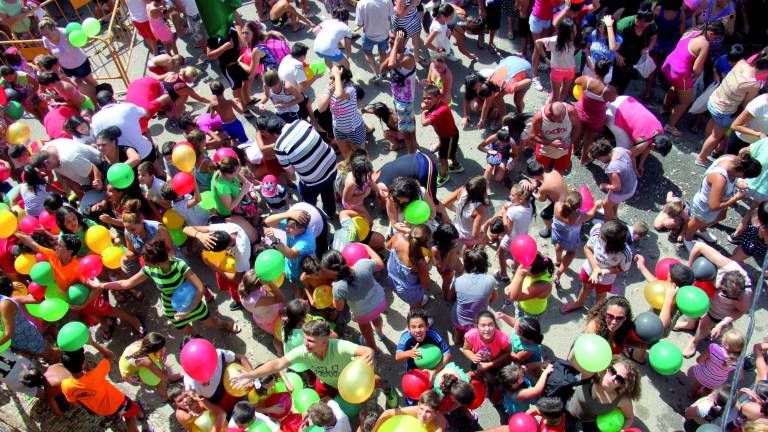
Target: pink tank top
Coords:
[(542, 9), (635, 119), (680, 61)]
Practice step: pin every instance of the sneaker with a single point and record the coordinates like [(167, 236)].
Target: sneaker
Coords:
[(442, 180), (537, 84), (235, 306), (424, 301), (456, 168), (706, 236), (392, 398), (452, 57), (545, 233)]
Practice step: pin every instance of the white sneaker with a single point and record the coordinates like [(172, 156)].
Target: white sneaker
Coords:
[(537, 84)]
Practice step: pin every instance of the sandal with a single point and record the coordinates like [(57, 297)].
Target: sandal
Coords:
[(492, 49), (105, 335), (142, 327), (673, 131), (568, 308), (235, 329)]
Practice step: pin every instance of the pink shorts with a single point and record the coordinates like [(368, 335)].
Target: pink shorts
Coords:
[(558, 75), (679, 82), (144, 30), (599, 288), (365, 319)]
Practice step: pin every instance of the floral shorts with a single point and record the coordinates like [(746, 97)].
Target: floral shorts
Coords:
[(247, 208), (406, 122)]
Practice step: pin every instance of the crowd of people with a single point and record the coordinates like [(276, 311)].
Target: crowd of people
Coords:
[(98, 213)]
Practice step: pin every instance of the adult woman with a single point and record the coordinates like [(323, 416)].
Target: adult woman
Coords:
[(262, 51), (739, 87), (231, 190), (149, 352), (472, 102), (112, 153), (622, 173), (718, 192), (73, 61), (24, 336), (471, 207), (611, 318), (341, 96), (407, 18), (407, 267), (639, 35), (711, 11), (177, 88), (603, 43), (532, 283), (357, 287), (751, 242), (615, 387), (681, 68), (596, 94), (471, 292), (563, 62), (670, 22), (511, 77)]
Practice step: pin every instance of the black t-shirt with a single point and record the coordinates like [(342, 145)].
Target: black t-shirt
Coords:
[(632, 46), (231, 55)]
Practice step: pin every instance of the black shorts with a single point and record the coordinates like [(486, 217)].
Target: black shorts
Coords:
[(549, 211), (448, 147), (236, 75), (81, 71), (523, 28), (493, 16)]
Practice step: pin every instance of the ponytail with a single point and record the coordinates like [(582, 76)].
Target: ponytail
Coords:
[(334, 261)]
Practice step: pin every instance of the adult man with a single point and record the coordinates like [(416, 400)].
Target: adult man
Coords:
[(301, 149), (632, 125), (75, 165), (554, 129), (373, 17), (401, 65), (549, 186)]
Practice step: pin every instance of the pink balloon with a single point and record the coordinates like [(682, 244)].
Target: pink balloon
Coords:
[(222, 153), (39, 257), (91, 266), (5, 173), (36, 291), (183, 183), (523, 249), (662, 267), (29, 224), (199, 360), (523, 422), (353, 253), (47, 220), (183, 143), (587, 200)]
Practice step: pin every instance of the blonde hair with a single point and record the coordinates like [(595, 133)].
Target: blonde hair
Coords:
[(132, 212), (523, 194), (46, 23), (189, 72), (571, 204), (674, 208), (733, 340)]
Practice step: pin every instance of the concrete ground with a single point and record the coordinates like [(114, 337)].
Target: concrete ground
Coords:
[(663, 398)]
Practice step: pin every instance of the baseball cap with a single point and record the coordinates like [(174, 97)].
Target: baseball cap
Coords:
[(269, 185)]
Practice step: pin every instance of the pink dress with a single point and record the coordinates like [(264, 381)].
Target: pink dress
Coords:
[(160, 28), (591, 109), (678, 68)]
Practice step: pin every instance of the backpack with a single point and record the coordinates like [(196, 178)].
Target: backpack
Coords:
[(563, 380)]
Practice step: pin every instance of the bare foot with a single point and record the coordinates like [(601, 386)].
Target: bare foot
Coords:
[(690, 350), (684, 325), (569, 307), (670, 196)]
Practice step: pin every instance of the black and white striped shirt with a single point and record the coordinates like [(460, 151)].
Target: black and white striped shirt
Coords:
[(301, 147)]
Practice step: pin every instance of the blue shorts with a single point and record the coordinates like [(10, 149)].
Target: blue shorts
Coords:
[(235, 130), (334, 58), (368, 45), (538, 25), (721, 120)]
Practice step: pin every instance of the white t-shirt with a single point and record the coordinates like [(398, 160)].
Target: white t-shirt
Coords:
[(138, 10), (373, 16), (258, 418), (291, 70), (242, 244), (441, 40), (209, 390), (604, 259), (125, 116), (154, 190), (77, 160), (758, 108), (560, 59), (315, 219), (195, 216), (342, 421), (521, 219), (190, 7), (331, 33)]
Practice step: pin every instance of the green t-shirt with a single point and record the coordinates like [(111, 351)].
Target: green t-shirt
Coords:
[(759, 151), (15, 9), (339, 354), (222, 187)]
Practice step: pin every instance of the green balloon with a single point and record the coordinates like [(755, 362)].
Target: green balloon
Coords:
[(296, 382), (269, 264), (34, 309), (14, 110), (72, 27), (593, 353), (148, 377), (52, 310), (42, 273), (612, 421), (3, 206), (206, 200), (417, 212), (177, 237), (7, 343), (91, 26), (665, 358), (692, 301), (78, 38), (72, 336), (314, 428), (78, 294), (351, 410), (261, 427), (430, 357), (54, 292), (304, 398), (318, 67), (120, 175)]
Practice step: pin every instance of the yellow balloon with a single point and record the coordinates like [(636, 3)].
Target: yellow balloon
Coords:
[(172, 220), (228, 265), (278, 331), (356, 381), (97, 239), (17, 133), (8, 224), (205, 423), (361, 226), (112, 257), (279, 281), (19, 212), (233, 370), (24, 262), (184, 158), (655, 293), (214, 257), (577, 92), (19, 289), (323, 296), (426, 253)]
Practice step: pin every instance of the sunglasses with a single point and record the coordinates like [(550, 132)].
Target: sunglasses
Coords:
[(619, 379), (617, 318)]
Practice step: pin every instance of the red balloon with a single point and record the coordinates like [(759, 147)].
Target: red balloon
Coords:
[(523, 249), (353, 253), (199, 359), (662, 268), (283, 401), (91, 266), (706, 286), (523, 422), (3, 96), (29, 224), (415, 382), (222, 153), (183, 183), (480, 393), (5, 173), (47, 220), (36, 291), (291, 423)]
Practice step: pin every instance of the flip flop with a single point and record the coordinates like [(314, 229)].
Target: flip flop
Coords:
[(567, 308)]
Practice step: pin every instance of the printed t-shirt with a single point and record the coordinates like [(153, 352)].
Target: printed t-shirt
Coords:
[(327, 370), (93, 391)]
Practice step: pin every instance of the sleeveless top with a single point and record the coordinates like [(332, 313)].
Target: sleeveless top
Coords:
[(400, 274), (151, 227), (585, 407), (702, 196), (268, 61), (463, 220), (668, 31), (552, 130), (280, 98), (22, 326), (202, 179), (680, 61), (403, 82), (128, 367), (591, 105), (530, 280), (734, 87)]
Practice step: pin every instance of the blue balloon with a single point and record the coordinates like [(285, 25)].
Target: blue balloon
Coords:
[(181, 300)]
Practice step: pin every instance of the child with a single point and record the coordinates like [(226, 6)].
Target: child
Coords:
[(517, 219), (151, 186), (552, 414), (314, 275), (715, 364), (637, 231), (680, 275), (225, 108), (34, 191), (419, 334), (525, 340), (445, 253), (440, 76), (486, 347), (709, 408), (159, 27), (426, 412), (274, 194), (286, 97), (518, 390), (498, 148), (673, 218), (149, 352), (187, 206), (566, 230), (265, 303), (167, 151), (436, 113), (358, 185), (608, 254), (470, 205), (493, 228), (57, 90), (70, 221), (204, 166), (563, 63), (244, 415), (438, 38), (385, 115)]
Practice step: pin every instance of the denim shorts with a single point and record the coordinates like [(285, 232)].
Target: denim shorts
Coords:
[(368, 45), (538, 25), (722, 120), (339, 56)]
